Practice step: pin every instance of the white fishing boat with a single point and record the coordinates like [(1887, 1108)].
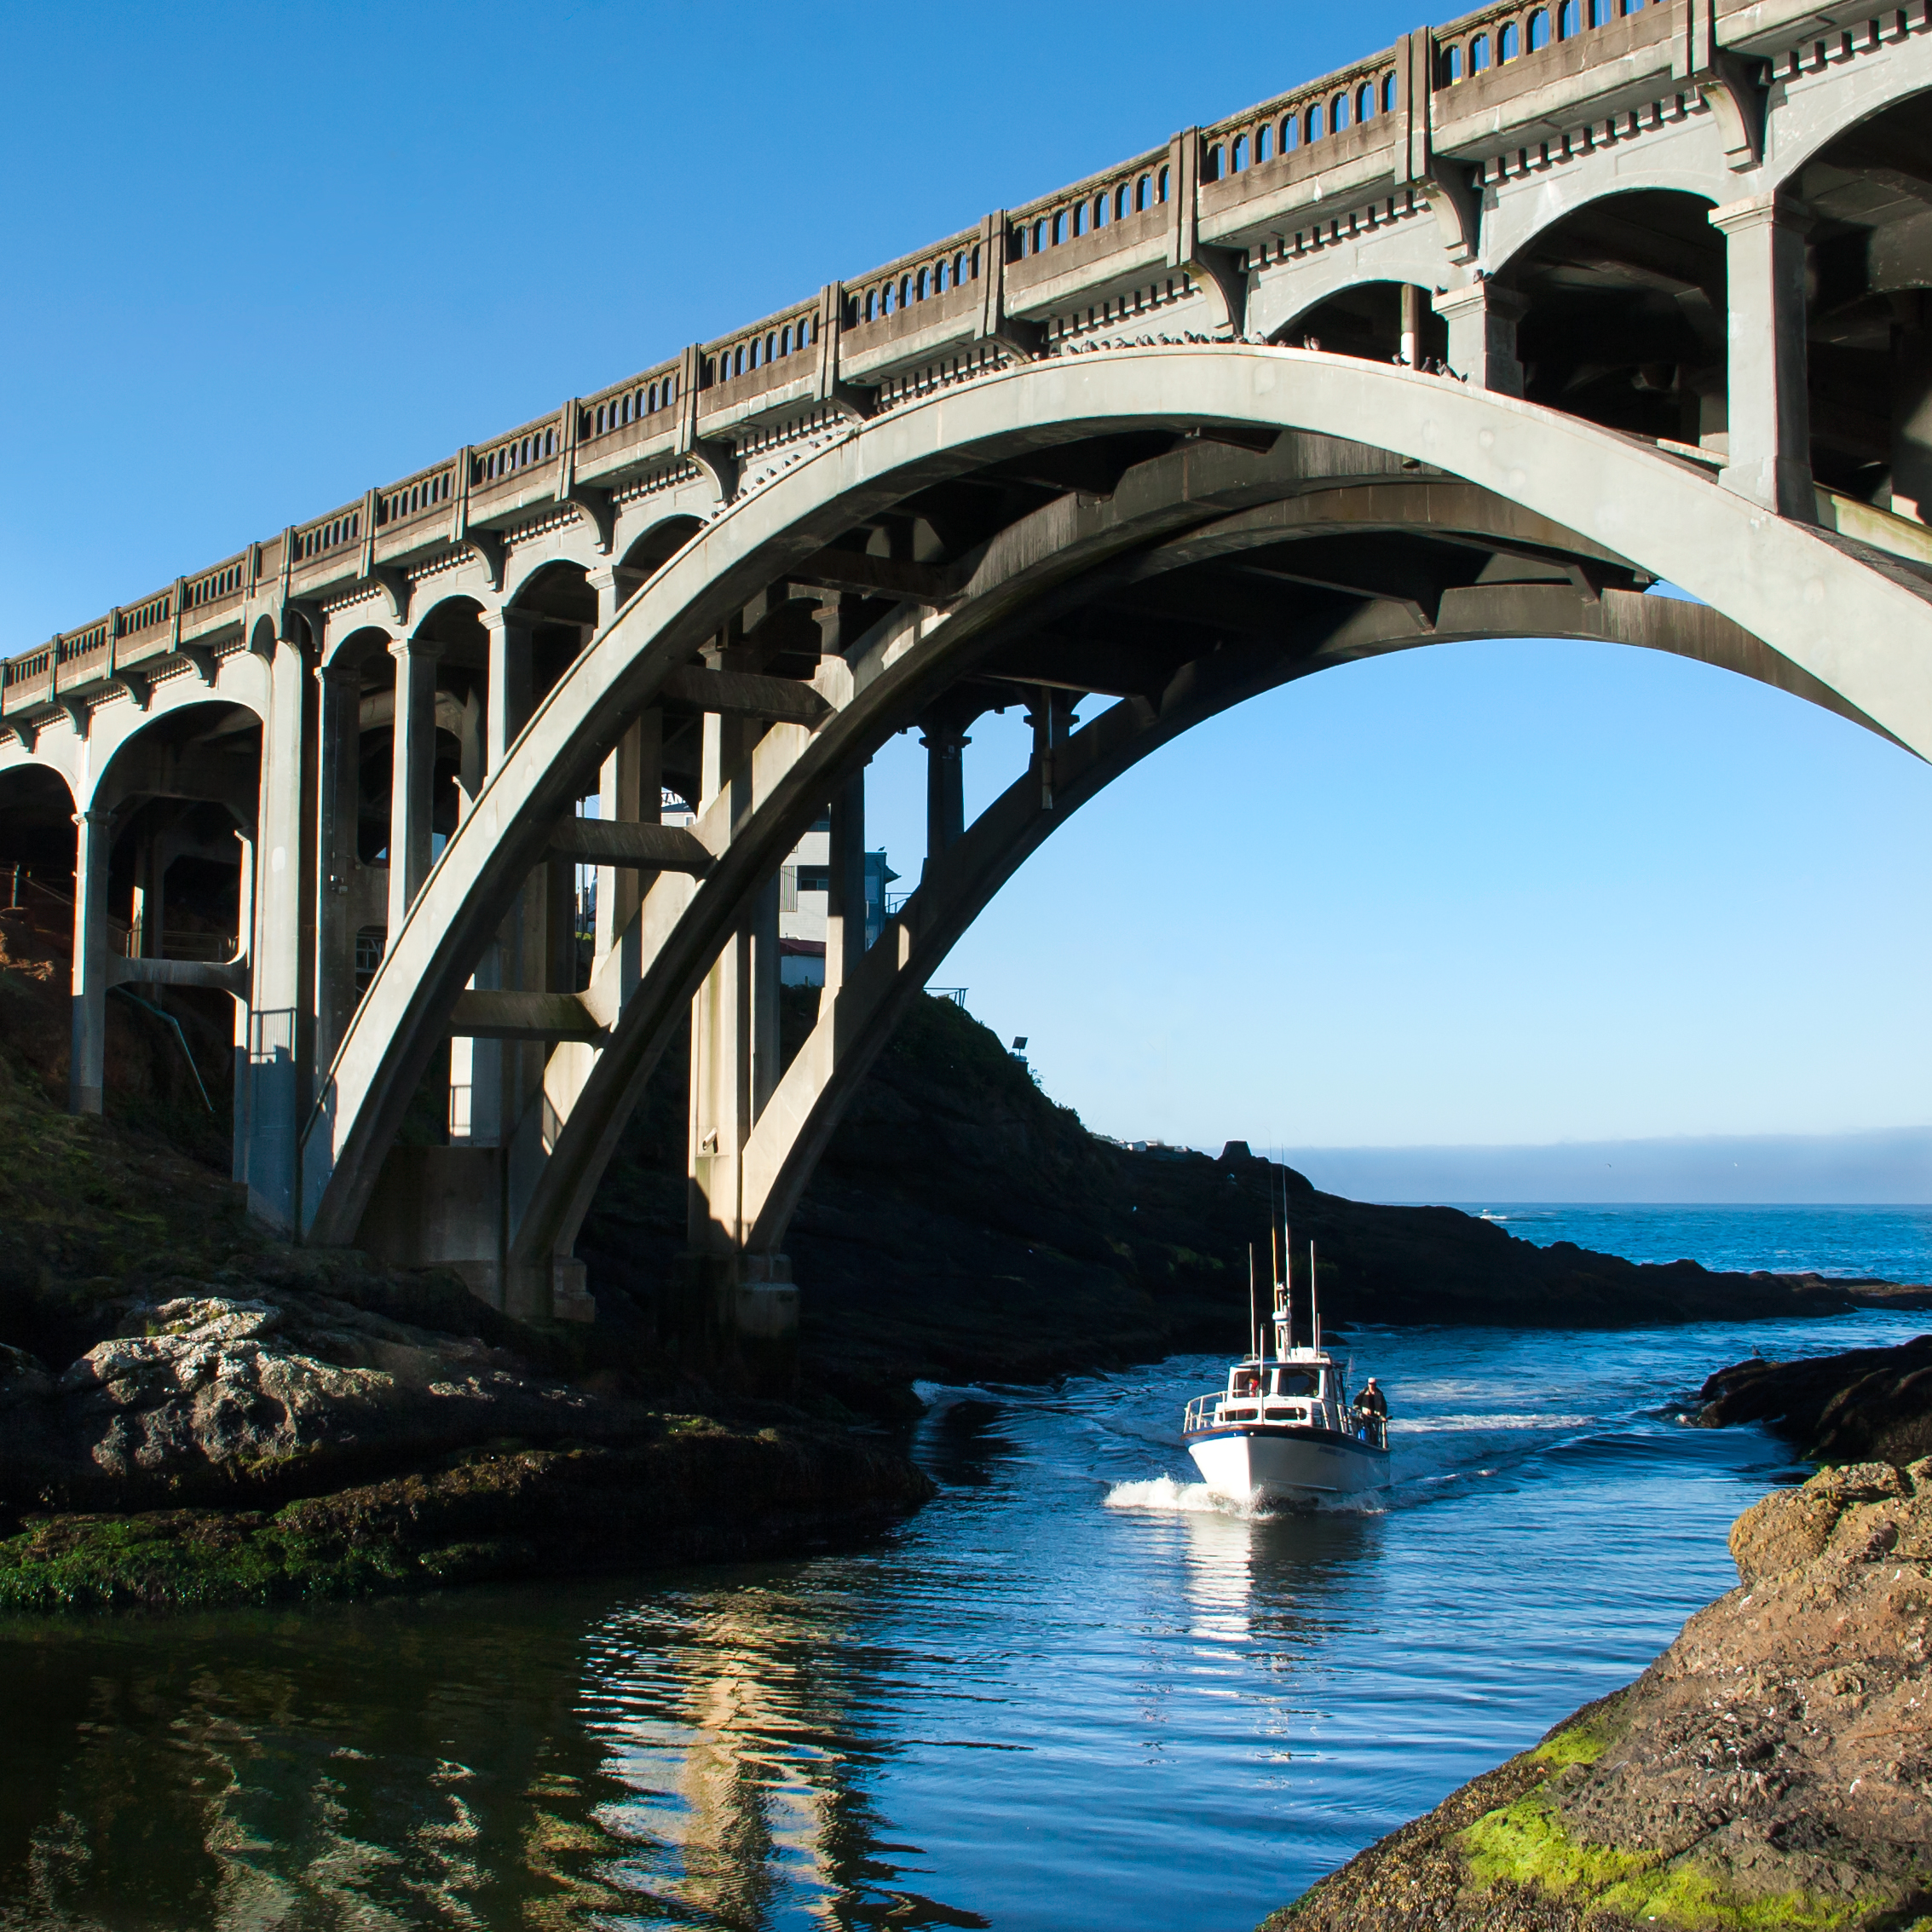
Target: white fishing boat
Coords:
[(1283, 1430)]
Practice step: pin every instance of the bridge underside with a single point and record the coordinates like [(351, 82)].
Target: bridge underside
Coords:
[(1066, 541), (1468, 347)]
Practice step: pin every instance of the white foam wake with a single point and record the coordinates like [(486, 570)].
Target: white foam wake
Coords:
[(1453, 1425), (1165, 1494), (1169, 1498)]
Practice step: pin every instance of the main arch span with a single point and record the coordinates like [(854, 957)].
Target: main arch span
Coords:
[(1485, 335)]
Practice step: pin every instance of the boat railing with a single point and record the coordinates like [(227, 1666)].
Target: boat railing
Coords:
[(1200, 1412)]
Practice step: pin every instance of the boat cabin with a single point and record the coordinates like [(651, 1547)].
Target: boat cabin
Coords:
[(1304, 1387)]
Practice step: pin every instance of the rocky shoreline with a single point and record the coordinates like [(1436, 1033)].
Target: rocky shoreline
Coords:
[(1863, 1404), (291, 1437), (1773, 1769)]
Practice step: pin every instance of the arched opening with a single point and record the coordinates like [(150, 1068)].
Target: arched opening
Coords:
[(560, 608), (180, 801), (37, 919), (1869, 326), (454, 627), (1381, 322), (1625, 318)]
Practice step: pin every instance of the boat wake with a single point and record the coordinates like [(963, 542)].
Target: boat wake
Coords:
[(1164, 1496)]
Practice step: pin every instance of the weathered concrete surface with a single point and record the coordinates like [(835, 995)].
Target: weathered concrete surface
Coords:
[(1863, 1404), (1773, 1768)]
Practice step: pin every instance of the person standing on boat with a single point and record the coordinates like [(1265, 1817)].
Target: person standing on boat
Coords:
[(1371, 1405)]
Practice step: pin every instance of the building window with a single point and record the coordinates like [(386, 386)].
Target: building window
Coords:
[(369, 944)]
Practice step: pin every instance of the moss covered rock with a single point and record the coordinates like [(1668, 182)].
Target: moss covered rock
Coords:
[(1773, 1769)]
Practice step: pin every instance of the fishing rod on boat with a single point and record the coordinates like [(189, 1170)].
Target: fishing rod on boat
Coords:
[(1314, 1305), (1254, 1330)]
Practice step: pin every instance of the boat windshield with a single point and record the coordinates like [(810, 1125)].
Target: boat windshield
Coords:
[(1294, 1381)]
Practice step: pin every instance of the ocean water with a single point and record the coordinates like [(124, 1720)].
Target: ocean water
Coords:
[(1073, 1694), (1872, 1243)]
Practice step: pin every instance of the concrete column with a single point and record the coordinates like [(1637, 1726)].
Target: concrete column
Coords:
[(945, 786), (1411, 348), (88, 1052), (1769, 413), (630, 790), (508, 706), (721, 1098), (277, 975), (764, 997), (337, 803), (1911, 406), (1482, 322), (731, 1315), (1052, 719), (413, 768), (844, 905)]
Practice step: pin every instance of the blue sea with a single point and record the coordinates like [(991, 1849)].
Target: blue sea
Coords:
[(1861, 1243)]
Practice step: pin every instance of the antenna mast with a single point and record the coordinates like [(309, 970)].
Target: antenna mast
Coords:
[(1254, 1331)]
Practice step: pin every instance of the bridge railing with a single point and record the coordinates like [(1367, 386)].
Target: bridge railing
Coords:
[(629, 411), (1350, 98), (426, 495), (770, 354), (1113, 224), (327, 535), (494, 464)]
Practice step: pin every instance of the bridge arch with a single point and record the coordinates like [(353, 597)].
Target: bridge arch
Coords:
[(1625, 316), (1805, 120), (1578, 511)]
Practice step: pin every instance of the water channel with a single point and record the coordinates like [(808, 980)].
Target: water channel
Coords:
[(1068, 1694)]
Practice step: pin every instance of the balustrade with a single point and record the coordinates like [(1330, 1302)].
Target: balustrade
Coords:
[(900, 287), (495, 462), (420, 494), (1500, 34), (1295, 120), (636, 400), (327, 534), (763, 353)]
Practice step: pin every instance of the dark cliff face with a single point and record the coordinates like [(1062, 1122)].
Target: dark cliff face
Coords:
[(962, 1226)]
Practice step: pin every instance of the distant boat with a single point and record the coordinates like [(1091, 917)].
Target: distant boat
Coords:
[(1283, 1430)]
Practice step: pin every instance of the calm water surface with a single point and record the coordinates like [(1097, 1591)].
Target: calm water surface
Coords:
[(1070, 1695)]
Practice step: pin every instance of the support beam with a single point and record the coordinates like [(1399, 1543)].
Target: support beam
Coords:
[(744, 693), (498, 1015), (1769, 415), (945, 746), (639, 846), (275, 988), (845, 899), (1482, 322)]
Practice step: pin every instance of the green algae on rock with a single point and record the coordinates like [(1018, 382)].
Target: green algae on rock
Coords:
[(1772, 1770), (701, 1491)]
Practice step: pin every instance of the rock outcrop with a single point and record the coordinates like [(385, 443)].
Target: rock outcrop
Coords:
[(1771, 1769), (1865, 1404), (248, 1440), (205, 1398)]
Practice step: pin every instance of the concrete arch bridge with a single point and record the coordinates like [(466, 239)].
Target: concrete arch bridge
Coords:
[(1483, 337)]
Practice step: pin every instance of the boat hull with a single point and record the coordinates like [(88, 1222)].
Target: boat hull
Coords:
[(1262, 1464)]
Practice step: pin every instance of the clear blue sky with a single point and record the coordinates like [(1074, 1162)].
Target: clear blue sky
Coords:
[(261, 259)]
